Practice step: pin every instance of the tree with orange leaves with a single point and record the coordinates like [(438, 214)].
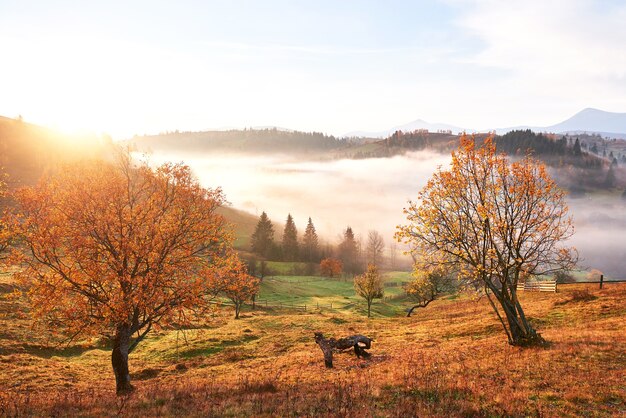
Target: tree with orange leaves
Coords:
[(331, 267), (6, 235), (493, 222), (118, 249), (238, 286)]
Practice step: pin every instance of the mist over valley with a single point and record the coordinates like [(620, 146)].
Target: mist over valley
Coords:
[(369, 194)]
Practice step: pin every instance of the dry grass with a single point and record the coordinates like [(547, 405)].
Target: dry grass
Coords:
[(450, 359)]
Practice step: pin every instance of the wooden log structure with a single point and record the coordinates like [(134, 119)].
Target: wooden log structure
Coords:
[(359, 343)]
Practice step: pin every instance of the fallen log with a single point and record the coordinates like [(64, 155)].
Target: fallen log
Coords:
[(359, 343)]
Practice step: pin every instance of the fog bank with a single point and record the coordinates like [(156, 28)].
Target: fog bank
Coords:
[(371, 193)]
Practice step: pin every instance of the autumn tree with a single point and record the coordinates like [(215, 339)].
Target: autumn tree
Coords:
[(331, 267), (310, 244), (375, 247), (348, 252), (492, 221), (6, 234), (427, 286), (369, 286), (290, 240), (262, 239), (238, 286), (119, 249)]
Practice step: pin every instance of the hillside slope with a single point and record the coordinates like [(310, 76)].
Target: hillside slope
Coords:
[(450, 359), (27, 150)]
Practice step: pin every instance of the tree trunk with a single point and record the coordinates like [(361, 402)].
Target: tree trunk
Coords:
[(369, 308), (521, 332), (119, 359), (419, 305), (237, 309)]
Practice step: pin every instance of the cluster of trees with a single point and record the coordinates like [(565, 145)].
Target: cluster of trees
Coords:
[(246, 140), (289, 248), (350, 253), (417, 139)]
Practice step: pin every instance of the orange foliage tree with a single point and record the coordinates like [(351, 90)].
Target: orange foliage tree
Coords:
[(492, 221), (331, 267), (118, 249), (5, 232), (369, 286), (238, 286)]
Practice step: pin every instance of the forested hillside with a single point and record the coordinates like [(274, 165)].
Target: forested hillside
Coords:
[(247, 140)]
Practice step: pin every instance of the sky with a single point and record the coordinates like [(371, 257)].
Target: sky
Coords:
[(139, 67)]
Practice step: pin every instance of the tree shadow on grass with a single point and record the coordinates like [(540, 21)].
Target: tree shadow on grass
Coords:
[(47, 352)]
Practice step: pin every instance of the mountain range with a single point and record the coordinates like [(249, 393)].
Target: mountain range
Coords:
[(606, 124)]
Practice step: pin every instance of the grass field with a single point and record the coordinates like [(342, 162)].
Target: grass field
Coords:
[(450, 359), (314, 291)]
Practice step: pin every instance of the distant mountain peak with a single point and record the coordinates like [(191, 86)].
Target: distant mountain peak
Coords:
[(590, 120)]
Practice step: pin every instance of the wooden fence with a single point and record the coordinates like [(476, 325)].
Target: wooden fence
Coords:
[(262, 303), (551, 285), (542, 286)]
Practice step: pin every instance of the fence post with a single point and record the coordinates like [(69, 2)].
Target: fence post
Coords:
[(601, 280)]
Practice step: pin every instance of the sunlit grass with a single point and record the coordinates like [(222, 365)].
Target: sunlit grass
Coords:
[(450, 359)]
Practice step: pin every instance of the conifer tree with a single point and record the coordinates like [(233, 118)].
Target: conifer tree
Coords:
[(348, 252), (263, 236), (310, 245), (577, 150), (290, 240)]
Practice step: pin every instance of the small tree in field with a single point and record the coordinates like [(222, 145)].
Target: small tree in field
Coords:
[(369, 286), (493, 222), (118, 250), (427, 286), (238, 286), (331, 267)]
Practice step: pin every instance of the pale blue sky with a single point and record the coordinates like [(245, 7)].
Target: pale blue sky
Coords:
[(127, 67)]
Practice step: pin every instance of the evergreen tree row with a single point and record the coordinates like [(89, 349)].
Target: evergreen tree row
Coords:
[(350, 252), (289, 248)]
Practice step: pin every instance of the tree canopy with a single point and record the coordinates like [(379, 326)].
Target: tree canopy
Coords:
[(118, 249), (369, 286), (494, 222)]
